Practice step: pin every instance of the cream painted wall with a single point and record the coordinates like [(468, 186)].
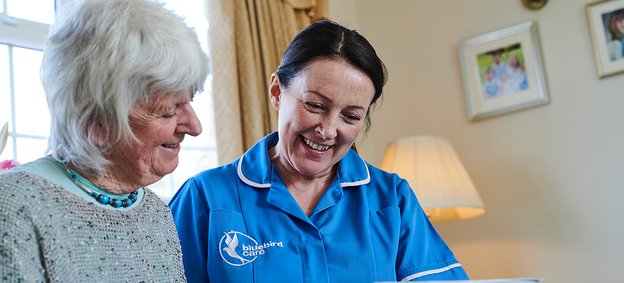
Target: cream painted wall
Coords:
[(551, 177)]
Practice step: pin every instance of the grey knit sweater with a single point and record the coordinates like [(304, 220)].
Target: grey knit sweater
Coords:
[(50, 235)]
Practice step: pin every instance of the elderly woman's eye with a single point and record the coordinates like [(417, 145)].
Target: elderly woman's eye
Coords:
[(169, 114)]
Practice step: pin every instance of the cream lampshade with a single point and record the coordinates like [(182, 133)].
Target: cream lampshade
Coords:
[(437, 176)]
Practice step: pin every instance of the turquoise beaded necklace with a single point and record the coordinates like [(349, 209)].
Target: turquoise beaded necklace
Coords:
[(83, 183)]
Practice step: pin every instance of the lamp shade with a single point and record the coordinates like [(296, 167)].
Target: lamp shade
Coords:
[(437, 176)]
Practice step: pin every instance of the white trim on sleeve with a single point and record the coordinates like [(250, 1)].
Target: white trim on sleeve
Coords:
[(429, 272)]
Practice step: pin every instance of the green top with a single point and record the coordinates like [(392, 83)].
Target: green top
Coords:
[(50, 234)]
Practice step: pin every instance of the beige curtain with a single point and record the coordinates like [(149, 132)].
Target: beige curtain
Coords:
[(247, 39)]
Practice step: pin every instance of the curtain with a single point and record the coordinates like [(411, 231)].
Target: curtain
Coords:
[(246, 41)]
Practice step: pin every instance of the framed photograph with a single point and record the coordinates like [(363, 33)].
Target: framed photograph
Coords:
[(606, 27), (502, 71)]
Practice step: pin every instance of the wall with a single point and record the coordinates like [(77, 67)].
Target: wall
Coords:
[(550, 176)]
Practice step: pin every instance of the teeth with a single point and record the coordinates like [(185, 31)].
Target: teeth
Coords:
[(169, 145), (315, 146)]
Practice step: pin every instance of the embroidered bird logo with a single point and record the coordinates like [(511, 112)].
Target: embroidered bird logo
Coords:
[(232, 243)]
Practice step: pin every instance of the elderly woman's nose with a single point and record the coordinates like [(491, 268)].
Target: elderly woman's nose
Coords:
[(189, 123)]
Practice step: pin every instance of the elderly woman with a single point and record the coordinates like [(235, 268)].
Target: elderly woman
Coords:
[(119, 76), (301, 205)]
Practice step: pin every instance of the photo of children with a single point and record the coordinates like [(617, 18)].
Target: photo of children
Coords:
[(614, 31), (502, 71)]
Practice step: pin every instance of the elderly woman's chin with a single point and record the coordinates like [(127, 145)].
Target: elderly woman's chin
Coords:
[(166, 161), (146, 164)]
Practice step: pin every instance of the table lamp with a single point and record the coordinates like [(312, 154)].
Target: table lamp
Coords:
[(436, 175)]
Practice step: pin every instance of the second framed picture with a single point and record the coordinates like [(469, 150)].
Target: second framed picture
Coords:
[(503, 71), (606, 27)]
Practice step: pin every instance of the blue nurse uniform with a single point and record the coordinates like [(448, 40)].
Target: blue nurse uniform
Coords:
[(239, 223)]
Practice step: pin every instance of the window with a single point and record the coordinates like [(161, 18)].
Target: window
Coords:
[(22, 102), (23, 30)]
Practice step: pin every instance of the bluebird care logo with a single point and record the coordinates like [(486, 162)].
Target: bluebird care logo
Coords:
[(241, 249)]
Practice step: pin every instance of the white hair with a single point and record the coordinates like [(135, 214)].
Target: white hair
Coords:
[(101, 58)]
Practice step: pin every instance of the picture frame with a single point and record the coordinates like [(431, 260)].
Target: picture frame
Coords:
[(503, 71), (606, 28)]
